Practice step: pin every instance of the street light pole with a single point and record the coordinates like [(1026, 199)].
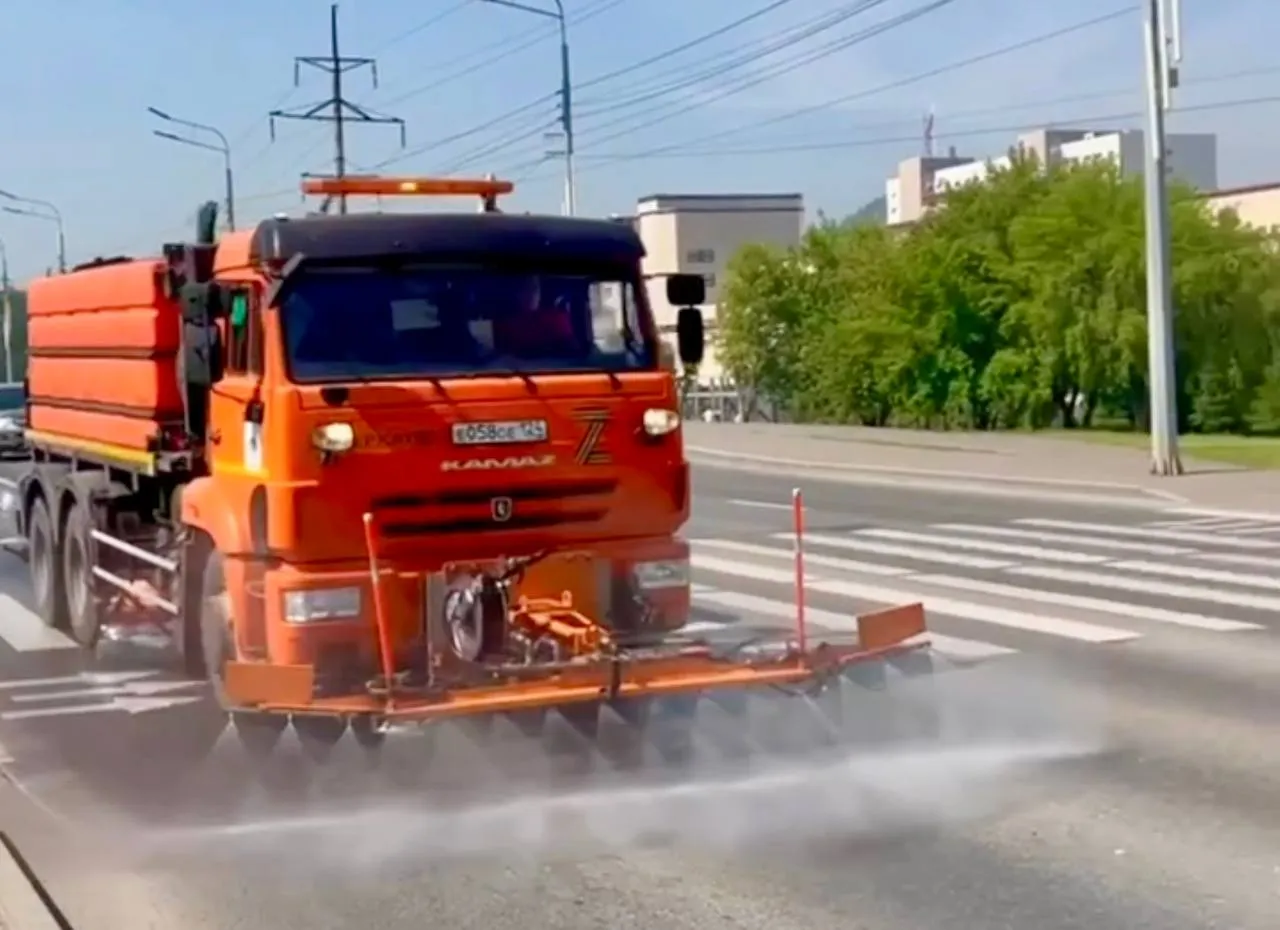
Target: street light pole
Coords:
[(54, 216), (566, 94), (1161, 49), (223, 147), (8, 314)]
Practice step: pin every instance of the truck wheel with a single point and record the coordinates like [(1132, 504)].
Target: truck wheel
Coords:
[(77, 571), (188, 628), (216, 646), (258, 732), (45, 567)]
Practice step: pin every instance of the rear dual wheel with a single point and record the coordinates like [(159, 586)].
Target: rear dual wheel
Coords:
[(83, 618), (45, 566), (62, 572)]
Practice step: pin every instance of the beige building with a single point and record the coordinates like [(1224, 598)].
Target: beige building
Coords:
[(1256, 205), (698, 234), (920, 184)]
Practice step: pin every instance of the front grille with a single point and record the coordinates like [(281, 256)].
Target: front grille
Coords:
[(471, 510)]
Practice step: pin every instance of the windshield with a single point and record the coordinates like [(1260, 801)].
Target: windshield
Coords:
[(360, 323)]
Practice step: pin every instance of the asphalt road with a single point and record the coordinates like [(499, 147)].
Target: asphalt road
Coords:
[(1133, 657)]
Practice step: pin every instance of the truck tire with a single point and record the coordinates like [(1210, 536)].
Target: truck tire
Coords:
[(216, 645), (258, 732), (45, 564), (83, 619)]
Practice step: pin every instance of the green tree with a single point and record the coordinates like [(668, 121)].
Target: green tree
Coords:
[(1020, 303)]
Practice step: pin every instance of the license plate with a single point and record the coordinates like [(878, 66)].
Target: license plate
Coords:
[(499, 432)]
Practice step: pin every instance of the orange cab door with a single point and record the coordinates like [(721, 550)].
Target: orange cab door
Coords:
[(237, 417)]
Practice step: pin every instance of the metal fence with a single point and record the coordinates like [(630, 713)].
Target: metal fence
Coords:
[(728, 405)]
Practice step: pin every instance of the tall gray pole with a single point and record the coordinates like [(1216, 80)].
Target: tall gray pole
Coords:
[(1160, 336), (8, 315), (566, 94), (566, 115)]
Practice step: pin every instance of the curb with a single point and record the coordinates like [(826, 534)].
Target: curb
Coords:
[(1062, 490), (974, 488), (983, 477), (1044, 489), (24, 902)]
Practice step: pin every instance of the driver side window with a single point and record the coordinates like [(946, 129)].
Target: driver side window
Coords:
[(244, 341)]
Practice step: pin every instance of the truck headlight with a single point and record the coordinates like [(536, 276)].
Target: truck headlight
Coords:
[(661, 575), (334, 437), (316, 604), (658, 421)]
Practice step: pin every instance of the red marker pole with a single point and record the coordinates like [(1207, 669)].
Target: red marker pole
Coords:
[(797, 507)]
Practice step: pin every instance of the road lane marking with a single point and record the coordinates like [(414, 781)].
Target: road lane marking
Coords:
[(1145, 586), (1017, 592), (1271, 562), (982, 545), (1202, 539), (129, 705), (1097, 604), (1119, 545), (918, 553), (23, 631), (933, 603), (1191, 572), (950, 646), (811, 558), (761, 505)]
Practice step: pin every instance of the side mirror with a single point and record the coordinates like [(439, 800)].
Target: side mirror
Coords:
[(690, 337), (201, 342), (686, 290), (201, 303)]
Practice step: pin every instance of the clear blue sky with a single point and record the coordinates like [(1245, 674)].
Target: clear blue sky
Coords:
[(76, 77)]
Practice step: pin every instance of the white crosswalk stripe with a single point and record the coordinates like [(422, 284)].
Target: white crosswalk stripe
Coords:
[(1030, 580), (1060, 579)]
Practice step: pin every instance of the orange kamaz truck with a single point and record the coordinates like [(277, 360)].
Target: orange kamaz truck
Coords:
[(378, 469)]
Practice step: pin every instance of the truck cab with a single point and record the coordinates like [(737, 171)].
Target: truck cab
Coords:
[(434, 391)]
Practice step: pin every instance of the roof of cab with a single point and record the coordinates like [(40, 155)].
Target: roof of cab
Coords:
[(443, 235)]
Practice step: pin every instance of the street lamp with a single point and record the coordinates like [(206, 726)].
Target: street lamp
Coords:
[(223, 147), (566, 92), (54, 216)]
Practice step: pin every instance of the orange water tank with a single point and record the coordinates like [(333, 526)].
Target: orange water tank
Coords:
[(103, 349)]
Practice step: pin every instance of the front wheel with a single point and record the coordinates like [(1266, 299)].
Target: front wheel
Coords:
[(216, 645), (258, 732)]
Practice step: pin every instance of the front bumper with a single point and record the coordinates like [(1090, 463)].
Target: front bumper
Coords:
[(328, 619)]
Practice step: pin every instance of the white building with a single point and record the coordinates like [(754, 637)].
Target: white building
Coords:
[(698, 234), (1191, 158)]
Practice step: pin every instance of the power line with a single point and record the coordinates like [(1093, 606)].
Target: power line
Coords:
[(835, 144), (892, 85), (340, 108), (486, 152), (590, 82), (740, 58), (608, 160), (422, 26), (502, 52), (871, 32), (823, 23), (684, 46)]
